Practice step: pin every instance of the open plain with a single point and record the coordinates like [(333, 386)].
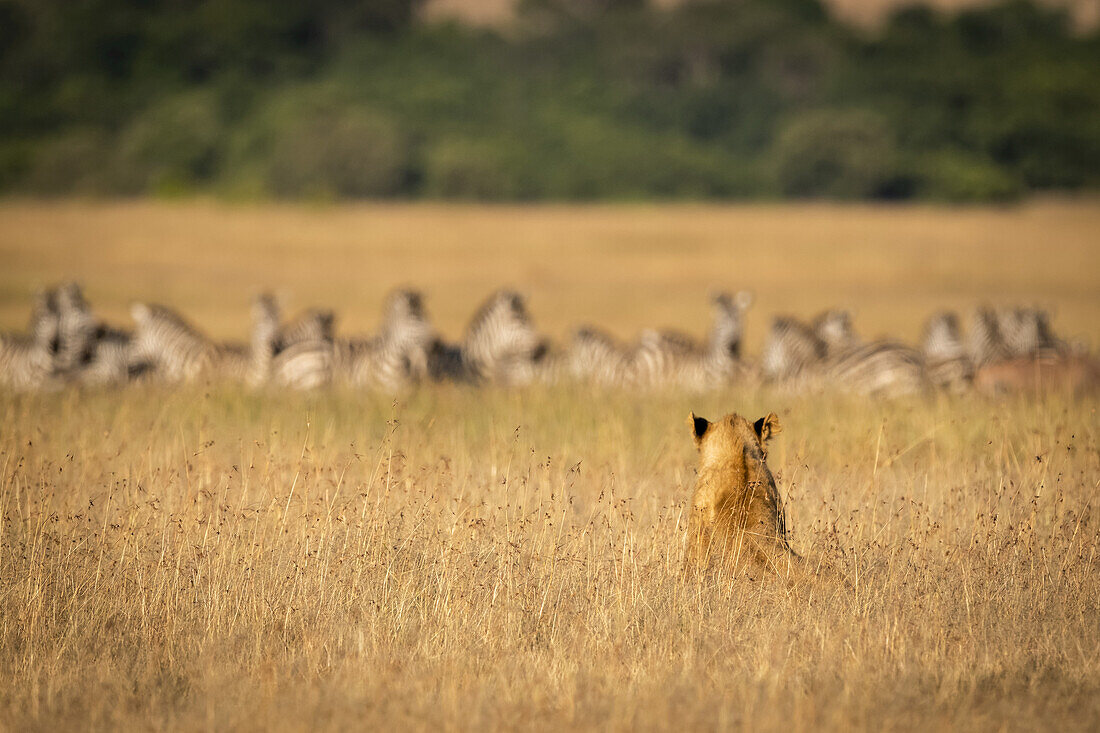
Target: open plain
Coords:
[(210, 557)]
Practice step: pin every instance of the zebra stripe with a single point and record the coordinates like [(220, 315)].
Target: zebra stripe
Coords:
[(880, 369), (984, 342), (313, 325), (945, 357), (304, 365), (110, 361), (501, 344), (27, 362), (400, 355), (76, 329), (673, 358), (597, 357), (791, 349), (834, 329), (176, 352), (1026, 332), (172, 348)]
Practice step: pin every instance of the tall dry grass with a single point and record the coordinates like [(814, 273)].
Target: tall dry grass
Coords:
[(463, 559), (210, 558)]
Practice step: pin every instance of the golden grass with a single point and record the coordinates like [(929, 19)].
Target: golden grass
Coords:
[(207, 559), (211, 558)]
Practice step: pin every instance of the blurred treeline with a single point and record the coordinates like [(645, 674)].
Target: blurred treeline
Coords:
[(580, 99)]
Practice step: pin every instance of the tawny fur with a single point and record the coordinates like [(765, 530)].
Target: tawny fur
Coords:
[(1059, 373), (737, 519)]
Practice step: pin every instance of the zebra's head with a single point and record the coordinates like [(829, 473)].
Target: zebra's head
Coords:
[(405, 319), (790, 347), (501, 342), (942, 337), (1026, 330), (834, 328), (727, 330), (407, 331)]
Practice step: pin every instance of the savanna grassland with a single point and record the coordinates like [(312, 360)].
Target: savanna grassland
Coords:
[(214, 558)]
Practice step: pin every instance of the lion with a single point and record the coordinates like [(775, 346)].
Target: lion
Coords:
[(737, 517)]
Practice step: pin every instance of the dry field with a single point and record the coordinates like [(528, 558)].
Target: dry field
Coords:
[(209, 558)]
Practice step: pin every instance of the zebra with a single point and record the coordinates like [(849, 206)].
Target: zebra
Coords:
[(109, 361), (596, 356), (313, 325), (501, 344), (834, 328), (674, 358), (176, 352), (399, 355), (880, 368), (792, 349), (945, 357), (299, 354), (794, 354), (28, 362), (90, 351), (76, 328), (985, 342), (1026, 331)]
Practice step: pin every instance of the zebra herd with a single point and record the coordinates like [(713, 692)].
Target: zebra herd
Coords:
[(68, 344)]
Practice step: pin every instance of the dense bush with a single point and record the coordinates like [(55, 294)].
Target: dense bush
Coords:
[(845, 154), (581, 100), (345, 153)]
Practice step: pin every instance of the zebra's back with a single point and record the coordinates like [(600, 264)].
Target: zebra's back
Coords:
[(790, 349), (174, 350), (597, 357), (879, 368), (304, 365)]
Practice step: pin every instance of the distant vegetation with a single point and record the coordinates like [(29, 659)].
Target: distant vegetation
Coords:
[(604, 99)]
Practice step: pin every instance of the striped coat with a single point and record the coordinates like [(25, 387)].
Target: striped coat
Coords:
[(76, 327), (1026, 331), (175, 351), (791, 350), (597, 357), (110, 359), (797, 357), (834, 329), (985, 343), (879, 369), (399, 355), (28, 362), (299, 354), (945, 357), (672, 358), (501, 344)]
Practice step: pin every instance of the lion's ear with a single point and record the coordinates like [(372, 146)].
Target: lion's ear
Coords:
[(699, 427), (766, 427)]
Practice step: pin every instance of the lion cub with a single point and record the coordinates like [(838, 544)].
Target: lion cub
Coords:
[(737, 518)]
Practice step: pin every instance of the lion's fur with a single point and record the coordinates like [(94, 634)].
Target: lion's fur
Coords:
[(737, 518)]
